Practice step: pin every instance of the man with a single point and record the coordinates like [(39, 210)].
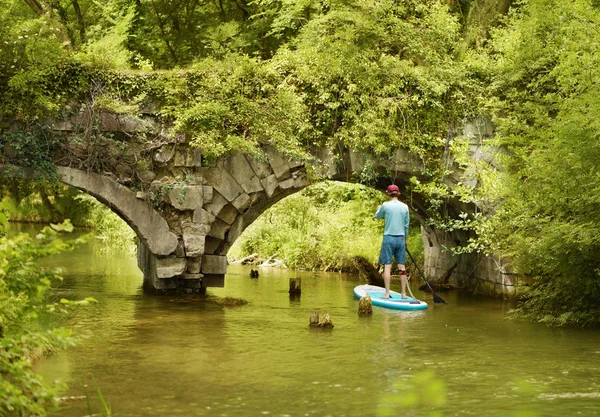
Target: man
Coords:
[(395, 233)]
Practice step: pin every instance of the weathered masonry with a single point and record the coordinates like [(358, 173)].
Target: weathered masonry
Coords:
[(187, 212)]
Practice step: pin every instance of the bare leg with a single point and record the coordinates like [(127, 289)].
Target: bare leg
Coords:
[(402, 267), (387, 273)]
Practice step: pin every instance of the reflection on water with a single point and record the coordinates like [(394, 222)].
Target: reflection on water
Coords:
[(166, 356)]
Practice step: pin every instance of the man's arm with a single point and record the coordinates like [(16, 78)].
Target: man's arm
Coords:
[(379, 213)]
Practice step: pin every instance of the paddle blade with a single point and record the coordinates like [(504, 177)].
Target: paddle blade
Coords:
[(437, 299)]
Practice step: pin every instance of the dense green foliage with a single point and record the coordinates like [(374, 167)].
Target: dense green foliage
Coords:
[(546, 102), (29, 320), (48, 202), (321, 227), (368, 75)]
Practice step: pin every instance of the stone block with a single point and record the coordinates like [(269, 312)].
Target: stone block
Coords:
[(207, 193), (202, 216), (147, 176), (256, 198), (192, 276), (237, 228), (404, 161), (193, 238), (357, 161), (194, 158), (213, 280), (295, 164), (180, 251), (286, 184), (508, 280), (478, 128), (185, 197), (180, 158), (170, 267), (164, 154), (214, 264), (328, 166), (279, 163), (218, 229), (270, 184), (262, 169), (242, 172), (193, 265), (300, 180), (228, 213), (242, 202), (223, 182), (217, 204), (212, 245), (114, 122)]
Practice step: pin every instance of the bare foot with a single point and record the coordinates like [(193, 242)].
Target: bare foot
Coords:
[(386, 296)]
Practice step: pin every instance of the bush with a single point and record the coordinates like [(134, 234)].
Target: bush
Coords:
[(25, 310)]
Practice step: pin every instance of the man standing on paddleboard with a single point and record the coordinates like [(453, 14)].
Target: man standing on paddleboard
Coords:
[(395, 233)]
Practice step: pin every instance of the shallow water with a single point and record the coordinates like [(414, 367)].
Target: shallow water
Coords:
[(168, 356)]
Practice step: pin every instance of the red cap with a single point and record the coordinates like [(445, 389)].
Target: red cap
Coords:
[(393, 189)]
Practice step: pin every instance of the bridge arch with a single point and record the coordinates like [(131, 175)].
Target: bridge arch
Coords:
[(148, 225), (190, 212)]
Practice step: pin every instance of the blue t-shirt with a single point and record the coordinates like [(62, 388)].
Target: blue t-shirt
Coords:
[(396, 217)]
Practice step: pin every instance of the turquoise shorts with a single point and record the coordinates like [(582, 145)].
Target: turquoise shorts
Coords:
[(392, 246)]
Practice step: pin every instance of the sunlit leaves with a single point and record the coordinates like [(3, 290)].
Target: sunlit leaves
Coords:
[(547, 113)]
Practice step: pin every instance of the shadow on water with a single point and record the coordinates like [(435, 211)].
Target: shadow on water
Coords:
[(189, 356)]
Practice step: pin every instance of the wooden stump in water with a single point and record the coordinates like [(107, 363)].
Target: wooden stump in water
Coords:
[(314, 319), (365, 307), (254, 273), (324, 323), (295, 286)]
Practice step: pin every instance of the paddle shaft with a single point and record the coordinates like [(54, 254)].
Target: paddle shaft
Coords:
[(436, 298)]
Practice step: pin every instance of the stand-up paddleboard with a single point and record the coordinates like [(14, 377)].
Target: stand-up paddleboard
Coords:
[(396, 301)]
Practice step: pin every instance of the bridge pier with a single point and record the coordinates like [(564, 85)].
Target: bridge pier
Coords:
[(165, 274), (475, 272), (187, 213)]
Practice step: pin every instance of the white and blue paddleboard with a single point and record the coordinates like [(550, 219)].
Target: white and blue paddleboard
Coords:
[(396, 301)]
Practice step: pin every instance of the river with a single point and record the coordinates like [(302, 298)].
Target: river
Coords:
[(188, 356)]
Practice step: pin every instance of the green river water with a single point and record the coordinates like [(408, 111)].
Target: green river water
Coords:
[(188, 356)]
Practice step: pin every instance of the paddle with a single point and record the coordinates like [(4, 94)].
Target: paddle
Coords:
[(436, 298)]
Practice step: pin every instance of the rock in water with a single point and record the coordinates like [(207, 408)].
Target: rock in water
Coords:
[(365, 307), (232, 302)]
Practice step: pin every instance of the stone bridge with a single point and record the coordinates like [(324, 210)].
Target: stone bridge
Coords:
[(187, 212)]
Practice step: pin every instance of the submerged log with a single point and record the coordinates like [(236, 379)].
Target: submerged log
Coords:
[(367, 271), (274, 262), (232, 302), (365, 306), (254, 273), (295, 286), (248, 260)]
